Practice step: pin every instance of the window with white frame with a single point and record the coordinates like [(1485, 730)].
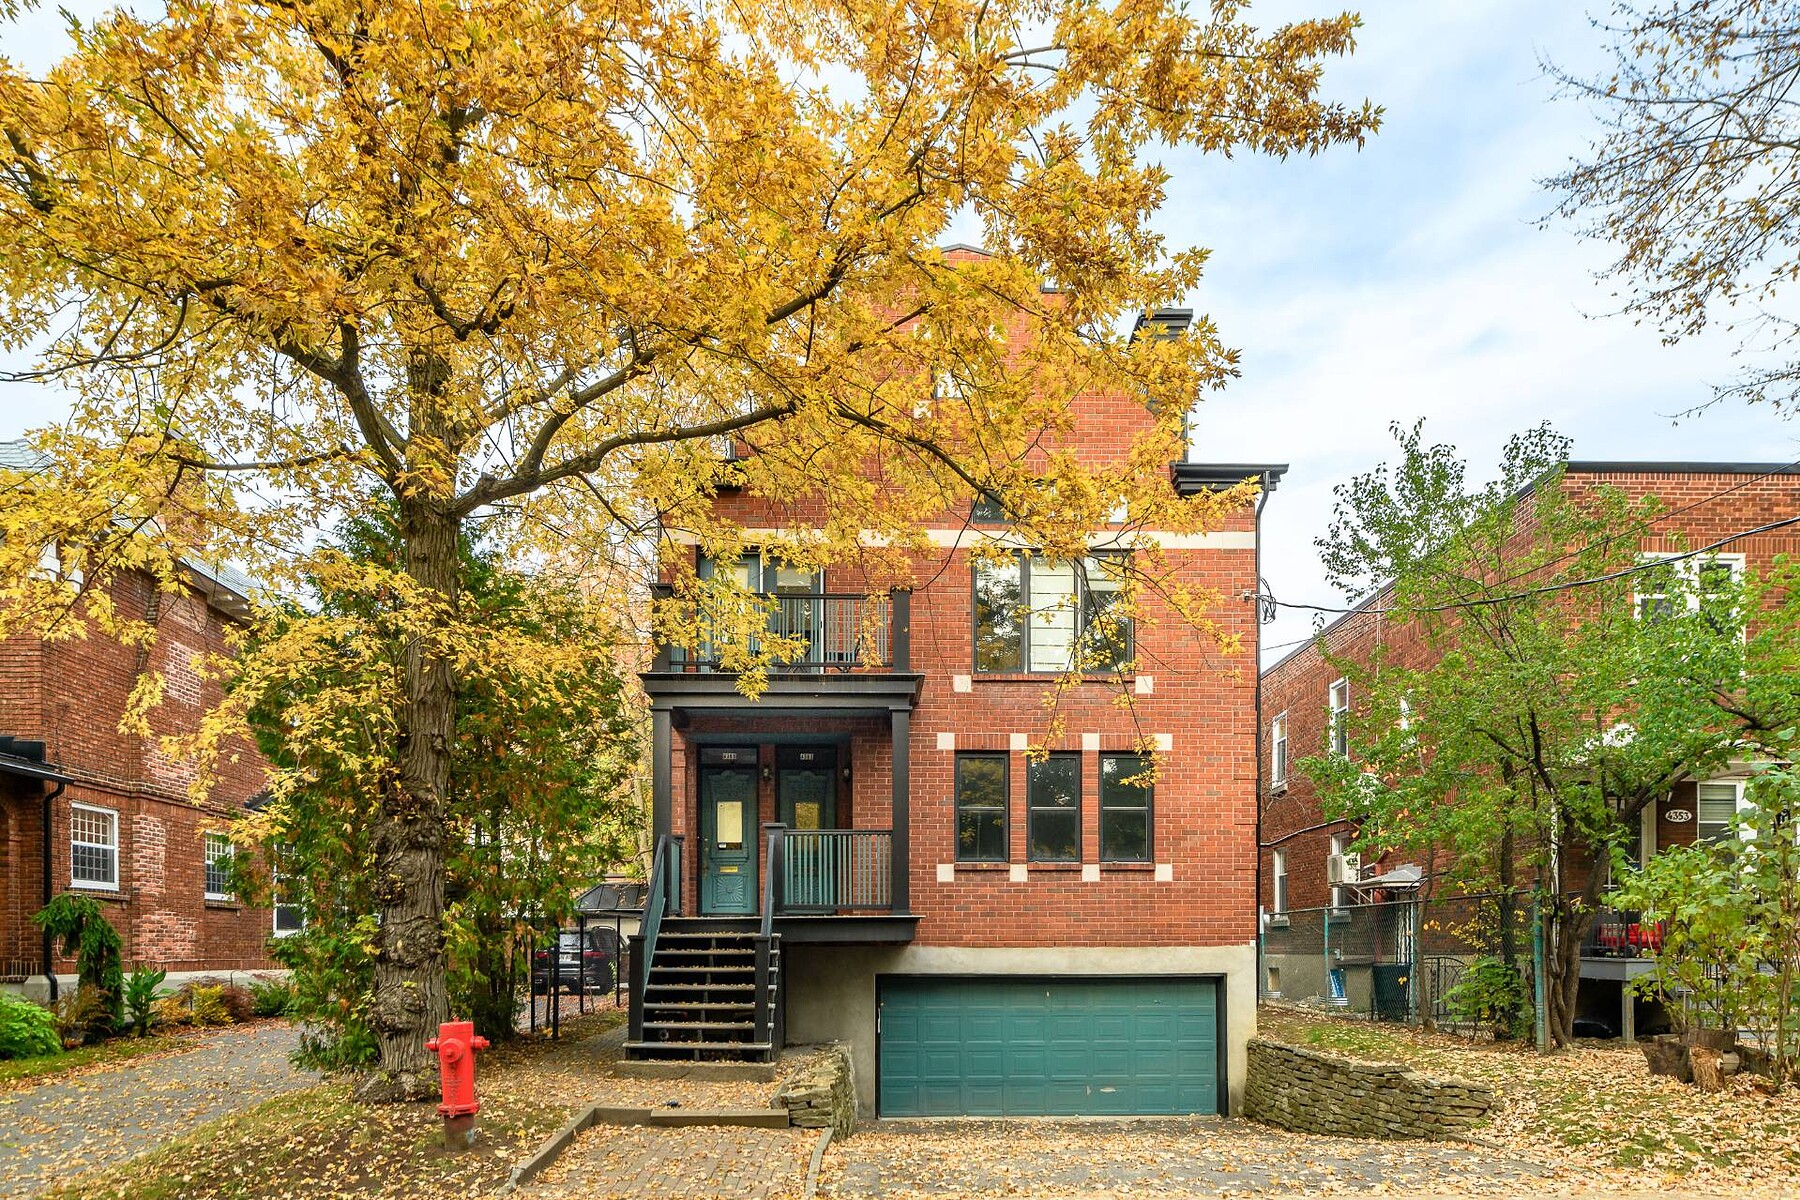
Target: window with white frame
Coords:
[(1339, 697), (216, 852), (1715, 804), (1278, 751), (290, 916), (1281, 882), (1339, 843), (1703, 584), (93, 847)]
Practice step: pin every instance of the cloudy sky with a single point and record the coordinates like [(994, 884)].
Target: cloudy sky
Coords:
[(1409, 280)]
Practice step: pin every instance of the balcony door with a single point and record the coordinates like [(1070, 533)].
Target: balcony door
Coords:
[(727, 831), (806, 800)]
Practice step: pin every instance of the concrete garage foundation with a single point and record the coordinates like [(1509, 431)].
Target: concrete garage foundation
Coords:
[(831, 990)]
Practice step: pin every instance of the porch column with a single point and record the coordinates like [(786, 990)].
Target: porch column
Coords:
[(900, 726), (662, 743)]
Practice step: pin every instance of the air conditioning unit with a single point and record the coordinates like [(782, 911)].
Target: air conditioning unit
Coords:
[(1343, 868)]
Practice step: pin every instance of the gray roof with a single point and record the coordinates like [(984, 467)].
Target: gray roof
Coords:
[(223, 582), (17, 455)]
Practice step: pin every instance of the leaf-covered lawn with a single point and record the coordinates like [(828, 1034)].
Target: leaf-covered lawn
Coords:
[(36, 1070), (1597, 1106), (318, 1142)]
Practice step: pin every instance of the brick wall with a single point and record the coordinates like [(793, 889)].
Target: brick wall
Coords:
[(71, 694), (1698, 514)]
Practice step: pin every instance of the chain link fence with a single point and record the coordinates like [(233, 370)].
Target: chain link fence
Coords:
[(1394, 960)]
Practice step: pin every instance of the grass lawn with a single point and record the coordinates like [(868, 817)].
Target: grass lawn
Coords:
[(105, 1054), (318, 1142), (1597, 1104)]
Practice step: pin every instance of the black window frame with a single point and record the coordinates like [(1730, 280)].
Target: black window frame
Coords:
[(1148, 807), (1022, 560), (1005, 806), (1032, 808)]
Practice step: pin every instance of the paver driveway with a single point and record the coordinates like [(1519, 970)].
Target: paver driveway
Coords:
[(1183, 1156), (698, 1163), (52, 1130)]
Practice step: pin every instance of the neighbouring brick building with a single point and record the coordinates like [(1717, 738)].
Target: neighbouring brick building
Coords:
[(1702, 503), (990, 935), (122, 828)]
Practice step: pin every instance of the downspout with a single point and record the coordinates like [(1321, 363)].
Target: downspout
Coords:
[(49, 884), (1256, 624)]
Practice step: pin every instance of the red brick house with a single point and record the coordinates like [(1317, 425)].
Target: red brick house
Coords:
[(864, 853), (121, 827), (1703, 503)]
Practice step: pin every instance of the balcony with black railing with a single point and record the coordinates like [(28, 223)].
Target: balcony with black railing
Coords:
[(812, 632)]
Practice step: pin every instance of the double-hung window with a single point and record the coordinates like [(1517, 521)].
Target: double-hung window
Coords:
[(1340, 718), (1278, 751), (216, 851), (1053, 809), (1340, 842), (93, 848), (981, 793), (290, 912), (1047, 615), (1126, 796), (1716, 805), (1279, 872)]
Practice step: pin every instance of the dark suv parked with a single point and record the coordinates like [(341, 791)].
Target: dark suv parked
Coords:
[(591, 967)]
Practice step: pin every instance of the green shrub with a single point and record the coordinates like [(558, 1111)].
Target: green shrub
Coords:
[(271, 997), (27, 1030), (1491, 993), (86, 933), (140, 998)]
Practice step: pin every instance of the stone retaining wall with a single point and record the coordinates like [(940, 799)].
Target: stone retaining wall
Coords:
[(1315, 1093), (823, 1094)]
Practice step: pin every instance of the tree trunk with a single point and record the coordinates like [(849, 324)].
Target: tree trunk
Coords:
[(1562, 957), (410, 998)]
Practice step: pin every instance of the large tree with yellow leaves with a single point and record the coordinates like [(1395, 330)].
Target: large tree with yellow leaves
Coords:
[(527, 263)]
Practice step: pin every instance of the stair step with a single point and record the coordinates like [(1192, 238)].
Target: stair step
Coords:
[(699, 1006), (720, 970), (690, 1047), (724, 986), (708, 1026)]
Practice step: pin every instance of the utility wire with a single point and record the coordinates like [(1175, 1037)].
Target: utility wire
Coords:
[(1566, 585)]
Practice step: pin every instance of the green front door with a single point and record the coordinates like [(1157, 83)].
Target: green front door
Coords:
[(806, 799), (1003, 1046), (728, 836)]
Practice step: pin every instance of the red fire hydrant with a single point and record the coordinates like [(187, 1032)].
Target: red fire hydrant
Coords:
[(455, 1045)]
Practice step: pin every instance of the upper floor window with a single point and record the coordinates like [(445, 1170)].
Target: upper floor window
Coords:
[(1703, 584), (1279, 872), (93, 847), (1039, 614), (1126, 804), (1053, 809), (981, 793), (1339, 729), (987, 510), (1278, 751), (216, 852)]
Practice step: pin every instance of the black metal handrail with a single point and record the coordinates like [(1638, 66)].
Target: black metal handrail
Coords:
[(767, 1012), (835, 631), (826, 870), (664, 898)]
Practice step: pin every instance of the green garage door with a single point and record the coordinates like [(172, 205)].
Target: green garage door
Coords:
[(1036, 1047)]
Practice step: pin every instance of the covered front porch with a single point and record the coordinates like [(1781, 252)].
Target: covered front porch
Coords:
[(792, 807)]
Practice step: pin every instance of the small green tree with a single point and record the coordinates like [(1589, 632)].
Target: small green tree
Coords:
[(1541, 716), (86, 933), (1730, 916), (545, 742)]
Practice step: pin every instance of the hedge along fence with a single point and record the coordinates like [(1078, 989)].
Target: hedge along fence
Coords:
[(1315, 1093)]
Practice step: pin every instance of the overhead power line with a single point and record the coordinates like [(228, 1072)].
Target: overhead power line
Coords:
[(1564, 586)]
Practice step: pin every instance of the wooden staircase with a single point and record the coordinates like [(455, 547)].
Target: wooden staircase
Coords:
[(701, 996)]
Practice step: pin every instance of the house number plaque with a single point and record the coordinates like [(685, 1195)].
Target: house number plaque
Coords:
[(1678, 816)]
